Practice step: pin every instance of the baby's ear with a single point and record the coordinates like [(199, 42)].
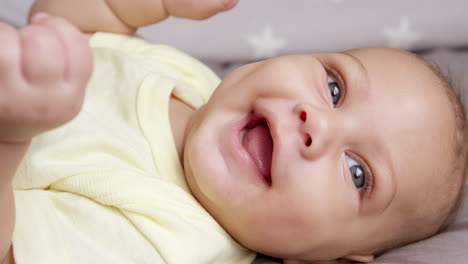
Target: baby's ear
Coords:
[(360, 258)]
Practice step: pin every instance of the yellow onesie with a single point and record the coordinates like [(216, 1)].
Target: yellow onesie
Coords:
[(108, 186)]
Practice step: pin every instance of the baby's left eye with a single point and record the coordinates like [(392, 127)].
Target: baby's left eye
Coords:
[(335, 90), (357, 172)]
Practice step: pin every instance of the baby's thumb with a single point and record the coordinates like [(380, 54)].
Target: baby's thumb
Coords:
[(229, 4), (198, 9)]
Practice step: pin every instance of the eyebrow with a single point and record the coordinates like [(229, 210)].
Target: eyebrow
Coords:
[(384, 185)]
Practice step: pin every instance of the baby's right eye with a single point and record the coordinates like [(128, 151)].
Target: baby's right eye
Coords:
[(335, 89)]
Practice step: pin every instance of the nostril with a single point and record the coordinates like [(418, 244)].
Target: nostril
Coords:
[(303, 116), (308, 140)]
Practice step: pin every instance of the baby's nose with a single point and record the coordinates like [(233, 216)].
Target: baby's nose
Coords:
[(316, 129)]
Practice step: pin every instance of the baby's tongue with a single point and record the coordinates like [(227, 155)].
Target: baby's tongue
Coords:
[(258, 143)]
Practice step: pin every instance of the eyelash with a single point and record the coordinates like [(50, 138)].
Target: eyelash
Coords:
[(366, 190)]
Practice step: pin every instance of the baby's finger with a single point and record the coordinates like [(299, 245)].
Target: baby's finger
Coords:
[(77, 53), (198, 9), (42, 55), (9, 51)]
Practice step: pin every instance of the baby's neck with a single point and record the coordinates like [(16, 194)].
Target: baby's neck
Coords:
[(179, 116)]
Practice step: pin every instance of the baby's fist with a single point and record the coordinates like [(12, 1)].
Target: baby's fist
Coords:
[(44, 69)]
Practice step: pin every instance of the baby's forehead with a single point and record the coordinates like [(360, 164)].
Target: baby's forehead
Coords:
[(401, 72), (390, 58)]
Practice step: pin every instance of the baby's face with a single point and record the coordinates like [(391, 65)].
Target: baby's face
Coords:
[(320, 156)]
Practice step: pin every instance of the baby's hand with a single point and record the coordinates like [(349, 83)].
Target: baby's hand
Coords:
[(44, 69)]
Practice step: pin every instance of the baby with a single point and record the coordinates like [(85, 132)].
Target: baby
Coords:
[(303, 157)]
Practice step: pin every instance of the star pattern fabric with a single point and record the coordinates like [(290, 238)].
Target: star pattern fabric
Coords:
[(266, 44), (402, 36)]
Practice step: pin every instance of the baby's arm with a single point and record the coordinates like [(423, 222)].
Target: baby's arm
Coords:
[(44, 69), (126, 16)]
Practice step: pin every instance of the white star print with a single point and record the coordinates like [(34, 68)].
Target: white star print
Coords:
[(266, 44), (402, 37)]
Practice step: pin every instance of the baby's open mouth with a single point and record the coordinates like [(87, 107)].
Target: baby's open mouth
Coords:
[(259, 144)]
